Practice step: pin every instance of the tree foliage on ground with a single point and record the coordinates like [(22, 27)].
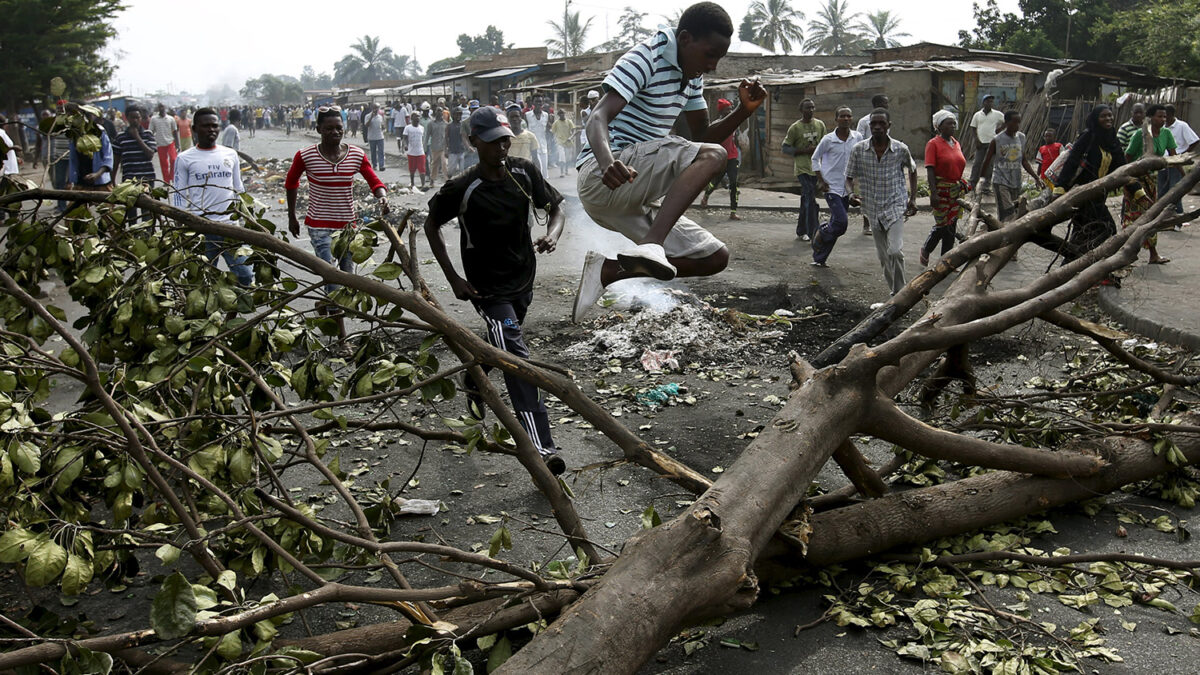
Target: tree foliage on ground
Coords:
[(489, 42), (834, 30), (370, 60), (568, 34), (882, 29), (631, 30), (772, 24), (208, 412), (273, 89), (42, 40)]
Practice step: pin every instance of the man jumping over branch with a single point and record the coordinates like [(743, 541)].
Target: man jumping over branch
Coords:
[(630, 160)]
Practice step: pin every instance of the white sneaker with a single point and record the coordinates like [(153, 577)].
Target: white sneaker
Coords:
[(590, 287), (647, 259)]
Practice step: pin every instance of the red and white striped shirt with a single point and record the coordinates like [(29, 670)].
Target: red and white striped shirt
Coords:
[(330, 199)]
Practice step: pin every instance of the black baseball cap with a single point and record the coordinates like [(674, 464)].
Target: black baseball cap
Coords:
[(489, 124)]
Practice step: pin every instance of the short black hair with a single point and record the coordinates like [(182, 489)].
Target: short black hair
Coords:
[(1154, 109), (1169, 108), (235, 115), (879, 101), (141, 110), (201, 112), (840, 108), (1009, 114), (881, 111), (705, 18)]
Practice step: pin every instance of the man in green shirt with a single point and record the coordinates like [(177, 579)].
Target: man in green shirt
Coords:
[(802, 138)]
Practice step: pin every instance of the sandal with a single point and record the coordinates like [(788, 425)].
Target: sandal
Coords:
[(1160, 261)]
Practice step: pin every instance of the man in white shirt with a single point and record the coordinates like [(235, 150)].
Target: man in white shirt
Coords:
[(8, 150), (1186, 140), (208, 177), (829, 160), (166, 139), (414, 149), (987, 123), (537, 121)]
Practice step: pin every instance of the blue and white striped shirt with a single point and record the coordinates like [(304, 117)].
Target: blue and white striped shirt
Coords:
[(650, 80)]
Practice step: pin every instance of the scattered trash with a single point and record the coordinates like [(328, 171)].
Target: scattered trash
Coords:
[(659, 395), (658, 361), (416, 507)]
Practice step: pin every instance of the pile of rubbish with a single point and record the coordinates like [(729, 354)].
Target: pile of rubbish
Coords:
[(663, 337)]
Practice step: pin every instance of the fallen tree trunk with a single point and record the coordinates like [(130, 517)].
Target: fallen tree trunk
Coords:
[(921, 515)]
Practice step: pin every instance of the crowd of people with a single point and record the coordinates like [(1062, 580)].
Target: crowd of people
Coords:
[(867, 167)]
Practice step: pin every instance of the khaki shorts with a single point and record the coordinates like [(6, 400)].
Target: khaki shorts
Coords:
[(627, 209)]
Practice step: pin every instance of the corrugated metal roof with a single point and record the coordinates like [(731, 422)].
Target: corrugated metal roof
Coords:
[(505, 72), (787, 77)]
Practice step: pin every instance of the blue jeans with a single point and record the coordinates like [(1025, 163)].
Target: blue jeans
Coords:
[(377, 159), (809, 219), (214, 245), (58, 179), (321, 239), (827, 234), (1167, 179)]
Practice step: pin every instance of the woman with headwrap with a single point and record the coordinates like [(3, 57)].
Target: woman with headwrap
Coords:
[(944, 164), (1095, 154)]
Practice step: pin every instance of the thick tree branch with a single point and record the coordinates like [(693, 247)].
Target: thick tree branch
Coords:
[(888, 422)]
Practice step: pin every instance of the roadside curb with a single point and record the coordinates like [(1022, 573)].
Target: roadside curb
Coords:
[(1109, 299)]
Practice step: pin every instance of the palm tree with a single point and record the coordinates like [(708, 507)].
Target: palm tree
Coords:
[(773, 24), (406, 66), (881, 29), (833, 32), (367, 61), (569, 35)]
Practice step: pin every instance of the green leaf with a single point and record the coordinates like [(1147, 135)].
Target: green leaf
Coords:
[(77, 574), (26, 456), (167, 553), (388, 271), (46, 561), (499, 654), (173, 612), (230, 646), (241, 466), (502, 538), (16, 544), (650, 518), (82, 661)]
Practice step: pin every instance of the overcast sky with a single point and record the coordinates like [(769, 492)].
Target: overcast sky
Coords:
[(235, 41)]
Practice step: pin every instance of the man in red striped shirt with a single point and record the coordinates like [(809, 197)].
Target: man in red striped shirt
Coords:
[(330, 167)]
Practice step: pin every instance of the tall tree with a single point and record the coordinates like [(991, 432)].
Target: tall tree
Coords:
[(309, 79), (834, 30), (368, 60), (41, 40), (631, 29), (1054, 28), (273, 89), (1160, 36), (490, 42), (773, 24), (882, 29), (569, 35)]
